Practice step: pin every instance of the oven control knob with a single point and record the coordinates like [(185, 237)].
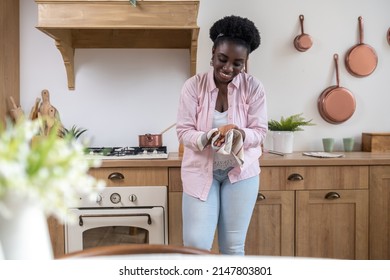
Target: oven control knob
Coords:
[(115, 198), (99, 198), (132, 197)]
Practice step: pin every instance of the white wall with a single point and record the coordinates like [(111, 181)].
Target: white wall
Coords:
[(121, 93)]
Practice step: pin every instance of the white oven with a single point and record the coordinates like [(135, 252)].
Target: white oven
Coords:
[(119, 215)]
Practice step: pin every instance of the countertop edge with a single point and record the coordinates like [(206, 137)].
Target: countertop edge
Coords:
[(293, 159)]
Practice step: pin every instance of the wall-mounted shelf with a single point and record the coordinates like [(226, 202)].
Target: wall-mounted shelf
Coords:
[(118, 24)]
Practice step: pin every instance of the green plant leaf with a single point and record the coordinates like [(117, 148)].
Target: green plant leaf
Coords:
[(74, 132), (291, 123)]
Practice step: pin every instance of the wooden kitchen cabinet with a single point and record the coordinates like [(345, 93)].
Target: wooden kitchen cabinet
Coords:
[(271, 231), (134, 176), (314, 177), (292, 217), (57, 236), (332, 227), (9, 55), (332, 224), (380, 212)]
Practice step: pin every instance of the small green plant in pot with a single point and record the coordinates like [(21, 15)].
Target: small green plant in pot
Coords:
[(291, 123), (283, 130), (73, 132)]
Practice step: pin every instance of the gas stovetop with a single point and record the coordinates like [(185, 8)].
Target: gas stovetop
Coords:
[(119, 153)]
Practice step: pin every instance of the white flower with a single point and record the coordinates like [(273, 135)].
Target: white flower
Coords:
[(52, 170)]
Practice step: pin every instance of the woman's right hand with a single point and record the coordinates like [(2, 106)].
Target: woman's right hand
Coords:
[(223, 130)]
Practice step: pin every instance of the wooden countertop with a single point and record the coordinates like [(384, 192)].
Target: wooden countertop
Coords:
[(350, 158), (294, 159)]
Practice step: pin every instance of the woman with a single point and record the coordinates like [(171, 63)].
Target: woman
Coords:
[(218, 189)]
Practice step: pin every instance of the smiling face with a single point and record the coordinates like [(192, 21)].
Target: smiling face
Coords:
[(228, 60)]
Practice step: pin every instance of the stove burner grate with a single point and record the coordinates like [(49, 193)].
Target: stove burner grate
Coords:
[(126, 151)]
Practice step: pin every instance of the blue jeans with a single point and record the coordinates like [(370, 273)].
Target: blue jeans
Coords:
[(230, 206)]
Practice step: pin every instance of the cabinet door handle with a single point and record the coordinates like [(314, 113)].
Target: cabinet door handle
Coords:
[(260, 197), (81, 222), (332, 195), (115, 176), (295, 177)]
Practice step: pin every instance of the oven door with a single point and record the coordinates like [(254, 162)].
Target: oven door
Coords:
[(111, 226)]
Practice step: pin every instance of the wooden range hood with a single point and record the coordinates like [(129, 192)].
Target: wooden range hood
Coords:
[(118, 24)]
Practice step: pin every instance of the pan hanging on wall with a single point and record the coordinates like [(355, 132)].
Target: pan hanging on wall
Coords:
[(302, 42), (388, 36), (336, 104), (361, 60)]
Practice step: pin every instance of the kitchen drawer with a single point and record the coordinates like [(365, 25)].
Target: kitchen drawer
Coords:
[(132, 176), (314, 177), (175, 184)]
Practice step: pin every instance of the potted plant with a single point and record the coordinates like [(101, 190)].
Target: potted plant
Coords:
[(38, 179), (282, 131), (73, 132)]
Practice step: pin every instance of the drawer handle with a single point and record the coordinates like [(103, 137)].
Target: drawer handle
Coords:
[(260, 197), (115, 176), (295, 177), (332, 195), (81, 222)]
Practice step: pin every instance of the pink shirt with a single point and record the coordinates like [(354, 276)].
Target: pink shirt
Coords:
[(247, 109)]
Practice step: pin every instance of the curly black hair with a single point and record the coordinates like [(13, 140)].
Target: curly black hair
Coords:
[(237, 29)]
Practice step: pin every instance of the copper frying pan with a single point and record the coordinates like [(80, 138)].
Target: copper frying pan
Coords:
[(302, 42), (336, 104), (361, 60), (388, 36)]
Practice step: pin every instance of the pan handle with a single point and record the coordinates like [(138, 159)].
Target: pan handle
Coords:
[(301, 18), (361, 33), (336, 62)]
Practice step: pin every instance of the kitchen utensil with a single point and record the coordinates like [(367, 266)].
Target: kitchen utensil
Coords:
[(153, 140), (16, 111), (168, 128), (150, 140), (303, 42), (336, 104), (361, 60), (35, 109), (50, 120)]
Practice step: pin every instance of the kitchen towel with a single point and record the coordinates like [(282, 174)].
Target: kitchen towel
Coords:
[(233, 144)]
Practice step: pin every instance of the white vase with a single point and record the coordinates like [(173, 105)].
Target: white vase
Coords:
[(283, 141), (25, 234)]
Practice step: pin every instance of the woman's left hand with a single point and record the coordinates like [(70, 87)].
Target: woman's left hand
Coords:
[(225, 128)]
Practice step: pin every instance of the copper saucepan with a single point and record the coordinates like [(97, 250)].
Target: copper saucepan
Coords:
[(303, 42), (336, 104), (149, 140), (361, 60)]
